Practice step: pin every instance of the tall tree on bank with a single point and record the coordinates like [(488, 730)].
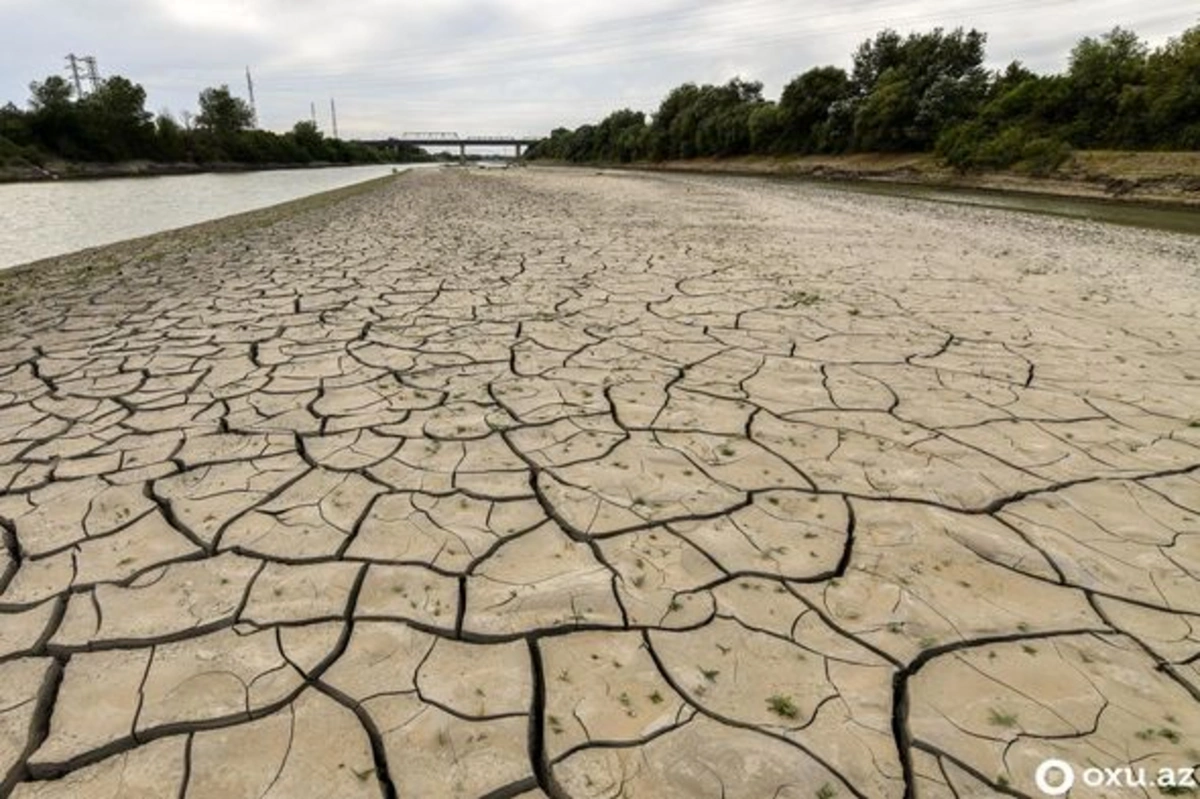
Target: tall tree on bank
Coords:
[(222, 113)]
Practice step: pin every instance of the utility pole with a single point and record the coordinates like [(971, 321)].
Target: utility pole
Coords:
[(312, 110), (73, 65), (333, 116), (250, 89), (93, 74)]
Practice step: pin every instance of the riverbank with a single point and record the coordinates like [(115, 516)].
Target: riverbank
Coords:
[(24, 283), (1149, 177), (568, 483), (28, 173)]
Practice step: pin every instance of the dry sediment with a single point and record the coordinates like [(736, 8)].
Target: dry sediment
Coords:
[(548, 483)]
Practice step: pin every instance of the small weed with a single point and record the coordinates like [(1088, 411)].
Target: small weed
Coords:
[(656, 698), (826, 791), (783, 706), (803, 298), (710, 674), (555, 725), (1029, 650), (1001, 719)]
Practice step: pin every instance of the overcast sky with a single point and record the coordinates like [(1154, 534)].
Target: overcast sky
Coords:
[(507, 66)]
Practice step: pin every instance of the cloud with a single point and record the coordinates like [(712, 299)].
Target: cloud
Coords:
[(512, 66)]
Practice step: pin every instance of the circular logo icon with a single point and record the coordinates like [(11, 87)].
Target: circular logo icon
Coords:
[(1054, 777)]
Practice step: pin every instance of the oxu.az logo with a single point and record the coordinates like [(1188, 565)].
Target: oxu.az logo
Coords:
[(1056, 777)]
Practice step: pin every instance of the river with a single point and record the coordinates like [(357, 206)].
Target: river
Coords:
[(38, 220)]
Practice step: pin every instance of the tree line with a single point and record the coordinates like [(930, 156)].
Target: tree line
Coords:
[(919, 93), (111, 124)]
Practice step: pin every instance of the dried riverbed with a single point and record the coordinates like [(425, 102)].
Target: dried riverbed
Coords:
[(559, 483)]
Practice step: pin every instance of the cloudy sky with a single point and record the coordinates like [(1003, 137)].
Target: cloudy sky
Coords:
[(507, 66)]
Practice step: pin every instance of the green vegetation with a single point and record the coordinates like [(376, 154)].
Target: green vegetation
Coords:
[(925, 92), (1002, 719), (783, 706), (111, 124)]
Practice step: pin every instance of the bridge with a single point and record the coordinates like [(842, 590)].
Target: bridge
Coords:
[(449, 139)]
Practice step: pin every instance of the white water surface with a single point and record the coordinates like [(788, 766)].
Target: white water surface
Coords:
[(38, 220)]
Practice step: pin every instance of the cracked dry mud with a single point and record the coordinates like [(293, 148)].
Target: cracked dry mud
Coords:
[(538, 483)]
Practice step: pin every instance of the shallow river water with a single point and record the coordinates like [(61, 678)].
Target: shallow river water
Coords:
[(38, 220)]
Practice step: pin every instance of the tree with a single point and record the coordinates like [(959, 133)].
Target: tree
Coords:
[(766, 129), (310, 140), (874, 57), (912, 90), (117, 123), (1103, 76), (51, 94), (675, 122), (54, 121), (805, 105), (170, 138), (222, 113), (617, 136), (1173, 92)]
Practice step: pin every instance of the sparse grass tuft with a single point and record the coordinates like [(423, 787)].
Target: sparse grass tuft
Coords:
[(804, 298), (783, 706), (1002, 719)]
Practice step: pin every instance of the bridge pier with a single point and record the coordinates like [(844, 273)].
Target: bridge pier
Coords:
[(518, 146), (462, 153)]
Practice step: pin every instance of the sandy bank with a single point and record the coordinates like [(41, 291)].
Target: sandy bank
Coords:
[(1168, 178)]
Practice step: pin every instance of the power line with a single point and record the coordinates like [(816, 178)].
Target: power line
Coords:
[(250, 90), (93, 73), (73, 65), (83, 68)]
